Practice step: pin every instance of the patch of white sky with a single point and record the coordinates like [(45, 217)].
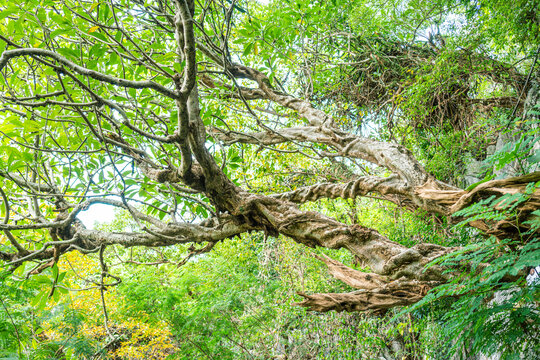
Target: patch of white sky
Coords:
[(97, 214)]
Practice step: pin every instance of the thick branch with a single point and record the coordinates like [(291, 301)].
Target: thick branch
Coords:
[(313, 229), (392, 156), (395, 294), (86, 240), (359, 187), (35, 52), (172, 234), (377, 292)]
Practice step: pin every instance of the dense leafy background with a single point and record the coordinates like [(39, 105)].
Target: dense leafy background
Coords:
[(236, 302)]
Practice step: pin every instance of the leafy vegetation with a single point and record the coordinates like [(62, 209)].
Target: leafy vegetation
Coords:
[(376, 162)]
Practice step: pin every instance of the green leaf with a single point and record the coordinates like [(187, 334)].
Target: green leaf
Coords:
[(61, 277), (247, 49), (178, 67), (68, 53), (486, 179), (534, 159), (55, 271)]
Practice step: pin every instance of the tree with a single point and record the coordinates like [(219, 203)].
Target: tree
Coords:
[(154, 107)]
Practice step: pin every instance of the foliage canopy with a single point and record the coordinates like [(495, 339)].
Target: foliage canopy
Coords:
[(232, 136)]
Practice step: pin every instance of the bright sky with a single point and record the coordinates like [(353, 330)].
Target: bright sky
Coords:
[(96, 213)]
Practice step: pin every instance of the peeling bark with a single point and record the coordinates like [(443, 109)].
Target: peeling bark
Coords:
[(377, 293), (378, 300)]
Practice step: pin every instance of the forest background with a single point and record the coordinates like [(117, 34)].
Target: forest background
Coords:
[(203, 122)]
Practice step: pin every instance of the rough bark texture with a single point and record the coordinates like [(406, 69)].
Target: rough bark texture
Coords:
[(376, 292)]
